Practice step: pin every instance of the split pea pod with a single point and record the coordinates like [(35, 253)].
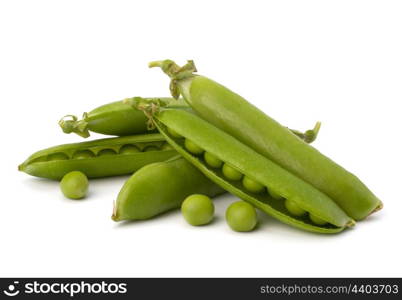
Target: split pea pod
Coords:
[(228, 162), (160, 187), (237, 117), (112, 119), (99, 158)]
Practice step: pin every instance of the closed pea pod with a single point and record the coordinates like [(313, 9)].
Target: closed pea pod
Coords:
[(249, 163), (160, 187), (234, 115), (98, 158), (113, 118)]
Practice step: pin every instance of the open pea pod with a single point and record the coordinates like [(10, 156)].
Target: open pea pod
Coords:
[(113, 118), (194, 138), (99, 158), (233, 114)]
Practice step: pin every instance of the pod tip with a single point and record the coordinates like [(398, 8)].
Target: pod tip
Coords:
[(379, 207), (114, 215)]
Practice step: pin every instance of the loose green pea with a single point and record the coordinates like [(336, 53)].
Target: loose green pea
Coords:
[(293, 208), (198, 209), (83, 154), (129, 149), (231, 173), (252, 185), (74, 185), (106, 152), (317, 220), (212, 160), (58, 156), (174, 134), (241, 216), (192, 147)]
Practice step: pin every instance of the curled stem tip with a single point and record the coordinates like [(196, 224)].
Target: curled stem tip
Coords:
[(310, 135), (175, 72), (70, 123), (351, 223)]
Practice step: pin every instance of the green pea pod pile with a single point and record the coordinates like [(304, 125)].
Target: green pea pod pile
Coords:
[(233, 114), (210, 141), (99, 158)]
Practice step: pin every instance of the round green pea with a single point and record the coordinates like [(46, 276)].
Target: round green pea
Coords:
[(212, 160), (293, 208), (150, 148), (41, 159), (83, 154), (231, 173), (274, 195), (106, 152), (192, 147), (129, 149), (173, 133), (74, 185), (198, 209), (58, 156), (241, 216), (252, 186), (166, 146), (317, 220)]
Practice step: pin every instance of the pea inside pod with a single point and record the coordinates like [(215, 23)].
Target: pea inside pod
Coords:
[(242, 160), (99, 158)]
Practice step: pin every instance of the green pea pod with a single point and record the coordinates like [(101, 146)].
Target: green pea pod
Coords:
[(234, 115), (159, 187), (99, 158), (113, 119), (188, 133)]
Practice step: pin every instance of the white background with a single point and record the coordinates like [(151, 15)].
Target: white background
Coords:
[(300, 61)]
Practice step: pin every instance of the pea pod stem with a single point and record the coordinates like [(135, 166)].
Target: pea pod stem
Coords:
[(175, 72), (310, 135), (70, 123)]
